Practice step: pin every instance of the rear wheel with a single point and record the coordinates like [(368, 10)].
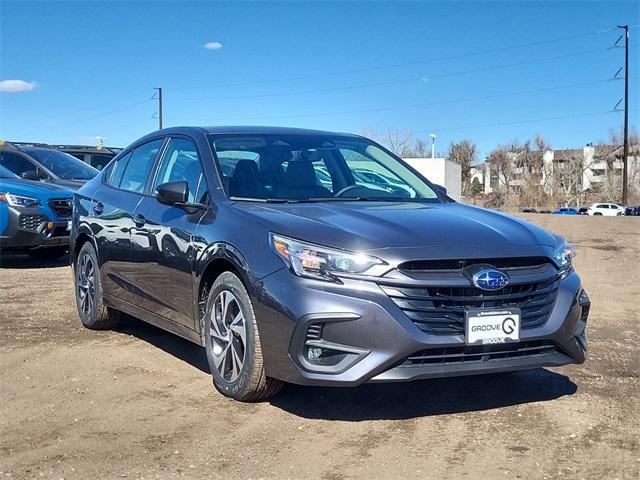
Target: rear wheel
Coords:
[(52, 253), (91, 308), (232, 343)]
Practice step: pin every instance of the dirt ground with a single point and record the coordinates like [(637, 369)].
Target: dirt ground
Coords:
[(139, 403)]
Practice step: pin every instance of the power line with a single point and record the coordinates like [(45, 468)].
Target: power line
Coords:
[(75, 122), (398, 65), (135, 122), (518, 122), (427, 104), (66, 113), (398, 81)]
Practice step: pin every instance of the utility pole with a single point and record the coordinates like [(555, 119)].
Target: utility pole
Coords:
[(159, 90), (626, 113)]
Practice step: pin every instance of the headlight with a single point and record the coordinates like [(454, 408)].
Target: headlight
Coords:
[(18, 201), (563, 256), (315, 261)]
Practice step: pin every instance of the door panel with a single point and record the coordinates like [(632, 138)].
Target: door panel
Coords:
[(162, 256), (161, 239), (112, 213)]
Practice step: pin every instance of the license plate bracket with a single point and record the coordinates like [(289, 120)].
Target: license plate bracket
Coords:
[(485, 326)]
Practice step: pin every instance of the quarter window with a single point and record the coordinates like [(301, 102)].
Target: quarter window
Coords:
[(181, 162), (117, 169), (137, 169)]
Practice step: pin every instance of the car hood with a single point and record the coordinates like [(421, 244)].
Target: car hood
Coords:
[(29, 188), (72, 185), (447, 230)]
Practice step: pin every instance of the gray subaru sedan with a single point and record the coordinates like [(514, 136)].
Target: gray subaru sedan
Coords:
[(271, 248)]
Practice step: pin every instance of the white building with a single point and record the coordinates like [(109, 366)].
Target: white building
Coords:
[(440, 171)]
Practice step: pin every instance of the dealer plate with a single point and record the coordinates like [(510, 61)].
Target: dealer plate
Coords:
[(484, 326)]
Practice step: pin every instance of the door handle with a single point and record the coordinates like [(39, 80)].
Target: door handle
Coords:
[(139, 220), (98, 208)]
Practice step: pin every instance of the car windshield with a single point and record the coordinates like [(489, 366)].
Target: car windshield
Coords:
[(314, 168), (6, 173), (63, 165)]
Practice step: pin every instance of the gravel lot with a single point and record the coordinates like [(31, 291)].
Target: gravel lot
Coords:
[(138, 402)]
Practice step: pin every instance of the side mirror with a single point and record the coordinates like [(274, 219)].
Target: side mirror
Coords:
[(440, 188), (32, 175), (173, 193)]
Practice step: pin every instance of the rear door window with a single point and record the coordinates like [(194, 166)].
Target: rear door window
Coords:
[(137, 170)]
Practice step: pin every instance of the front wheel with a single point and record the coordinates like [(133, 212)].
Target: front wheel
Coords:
[(232, 343), (94, 314)]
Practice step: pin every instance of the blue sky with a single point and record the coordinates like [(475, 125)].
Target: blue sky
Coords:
[(477, 70)]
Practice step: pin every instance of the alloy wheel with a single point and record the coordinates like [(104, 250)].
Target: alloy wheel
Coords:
[(228, 335), (86, 284)]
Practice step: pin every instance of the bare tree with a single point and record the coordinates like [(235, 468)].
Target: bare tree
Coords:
[(612, 153), (531, 163), (568, 171), (400, 141), (501, 168), (465, 154)]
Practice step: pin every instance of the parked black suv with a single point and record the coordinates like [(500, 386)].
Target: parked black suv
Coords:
[(98, 157), (46, 164), (230, 238)]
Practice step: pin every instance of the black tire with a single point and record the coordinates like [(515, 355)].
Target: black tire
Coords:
[(51, 253), (93, 313), (597, 214), (250, 383)]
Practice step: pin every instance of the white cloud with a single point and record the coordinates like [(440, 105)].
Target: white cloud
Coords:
[(213, 45), (15, 86)]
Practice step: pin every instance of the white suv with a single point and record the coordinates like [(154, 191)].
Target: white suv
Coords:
[(605, 209)]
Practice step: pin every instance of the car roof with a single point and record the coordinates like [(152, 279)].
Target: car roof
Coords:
[(39, 149), (249, 130)]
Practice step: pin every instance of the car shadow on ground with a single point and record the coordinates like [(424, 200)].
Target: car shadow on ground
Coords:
[(422, 398), (17, 261), (389, 401), (172, 344)]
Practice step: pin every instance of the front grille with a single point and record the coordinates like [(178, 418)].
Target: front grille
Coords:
[(61, 207), (440, 310), (31, 222), (480, 353), (455, 264)]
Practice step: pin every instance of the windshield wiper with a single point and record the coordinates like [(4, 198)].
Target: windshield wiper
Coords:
[(326, 199)]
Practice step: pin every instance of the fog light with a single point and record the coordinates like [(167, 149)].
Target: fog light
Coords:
[(326, 357), (313, 353), (50, 226)]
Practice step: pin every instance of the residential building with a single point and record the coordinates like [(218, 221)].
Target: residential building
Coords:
[(587, 169)]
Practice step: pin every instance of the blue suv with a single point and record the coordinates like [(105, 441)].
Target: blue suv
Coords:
[(33, 216)]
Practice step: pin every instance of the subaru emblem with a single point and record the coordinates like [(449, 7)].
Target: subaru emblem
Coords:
[(490, 279)]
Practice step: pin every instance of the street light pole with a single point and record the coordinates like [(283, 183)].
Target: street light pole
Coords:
[(433, 144)]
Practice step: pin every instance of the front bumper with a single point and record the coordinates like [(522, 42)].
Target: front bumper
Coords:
[(29, 228), (380, 339)]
